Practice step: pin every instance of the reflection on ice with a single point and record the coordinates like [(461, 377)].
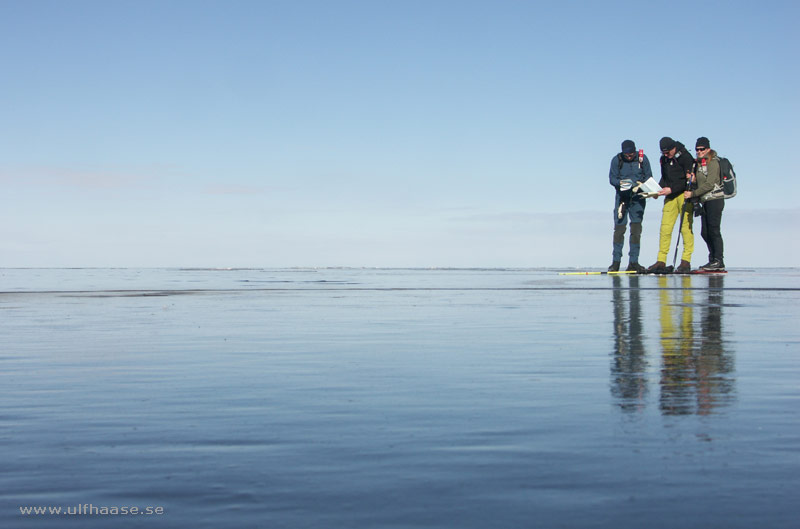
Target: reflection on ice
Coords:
[(696, 372), (629, 365), (387, 398)]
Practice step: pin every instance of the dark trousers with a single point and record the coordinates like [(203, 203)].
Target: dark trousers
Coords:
[(711, 228)]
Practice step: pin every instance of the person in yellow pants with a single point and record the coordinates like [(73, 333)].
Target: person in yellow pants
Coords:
[(669, 214), (677, 171)]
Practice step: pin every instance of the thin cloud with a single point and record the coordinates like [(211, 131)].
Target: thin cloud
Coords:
[(519, 217), (78, 178), (232, 189)]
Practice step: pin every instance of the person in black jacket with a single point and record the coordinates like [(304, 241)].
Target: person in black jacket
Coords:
[(677, 167)]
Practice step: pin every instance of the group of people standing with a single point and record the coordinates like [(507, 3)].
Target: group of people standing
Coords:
[(690, 186)]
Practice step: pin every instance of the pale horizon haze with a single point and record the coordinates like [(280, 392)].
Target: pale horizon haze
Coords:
[(381, 134)]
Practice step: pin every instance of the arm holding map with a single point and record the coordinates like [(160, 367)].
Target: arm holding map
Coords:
[(649, 188)]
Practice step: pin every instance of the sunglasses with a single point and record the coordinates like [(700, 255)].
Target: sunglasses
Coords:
[(701, 149)]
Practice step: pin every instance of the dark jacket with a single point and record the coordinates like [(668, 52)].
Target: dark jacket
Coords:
[(633, 170), (673, 171)]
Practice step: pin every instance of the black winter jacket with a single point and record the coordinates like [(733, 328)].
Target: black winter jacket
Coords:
[(673, 170)]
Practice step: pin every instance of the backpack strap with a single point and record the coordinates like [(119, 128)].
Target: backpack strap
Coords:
[(622, 160)]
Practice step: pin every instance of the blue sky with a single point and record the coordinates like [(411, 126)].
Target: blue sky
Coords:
[(378, 133)]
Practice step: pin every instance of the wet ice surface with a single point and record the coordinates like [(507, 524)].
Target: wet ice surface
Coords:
[(400, 398)]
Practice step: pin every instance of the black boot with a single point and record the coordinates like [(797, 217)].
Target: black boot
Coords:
[(636, 267), (614, 267), (715, 265)]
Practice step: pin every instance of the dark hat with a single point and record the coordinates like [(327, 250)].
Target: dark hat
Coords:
[(666, 143), (702, 141), (628, 147)]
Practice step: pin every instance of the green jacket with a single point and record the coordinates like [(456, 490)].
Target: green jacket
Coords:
[(709, 179)]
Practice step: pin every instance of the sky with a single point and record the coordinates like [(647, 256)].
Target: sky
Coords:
[(413, 133)]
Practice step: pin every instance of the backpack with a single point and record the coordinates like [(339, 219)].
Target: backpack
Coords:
[(728, 177)]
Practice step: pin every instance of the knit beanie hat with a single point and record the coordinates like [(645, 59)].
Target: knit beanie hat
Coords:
[(666, 143), (703, 142), (628, 147)]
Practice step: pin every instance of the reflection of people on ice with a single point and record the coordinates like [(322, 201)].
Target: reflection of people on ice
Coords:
[(695, 366), (714, 366), (696, 370), (629, 364), (677, 340)]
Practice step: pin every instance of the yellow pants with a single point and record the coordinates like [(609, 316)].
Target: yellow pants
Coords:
[(669, 214)]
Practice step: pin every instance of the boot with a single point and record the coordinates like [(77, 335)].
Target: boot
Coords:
[(635, 267), (684, 268), (614, 267), (656, 268), (715, 265)]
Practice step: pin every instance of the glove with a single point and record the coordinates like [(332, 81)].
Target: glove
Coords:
[(698, 209)]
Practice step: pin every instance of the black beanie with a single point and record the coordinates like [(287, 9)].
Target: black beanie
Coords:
[(702, 141), (628, 147), (666, 143)]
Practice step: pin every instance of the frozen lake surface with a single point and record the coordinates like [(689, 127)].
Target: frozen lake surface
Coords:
[(302, 398)]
